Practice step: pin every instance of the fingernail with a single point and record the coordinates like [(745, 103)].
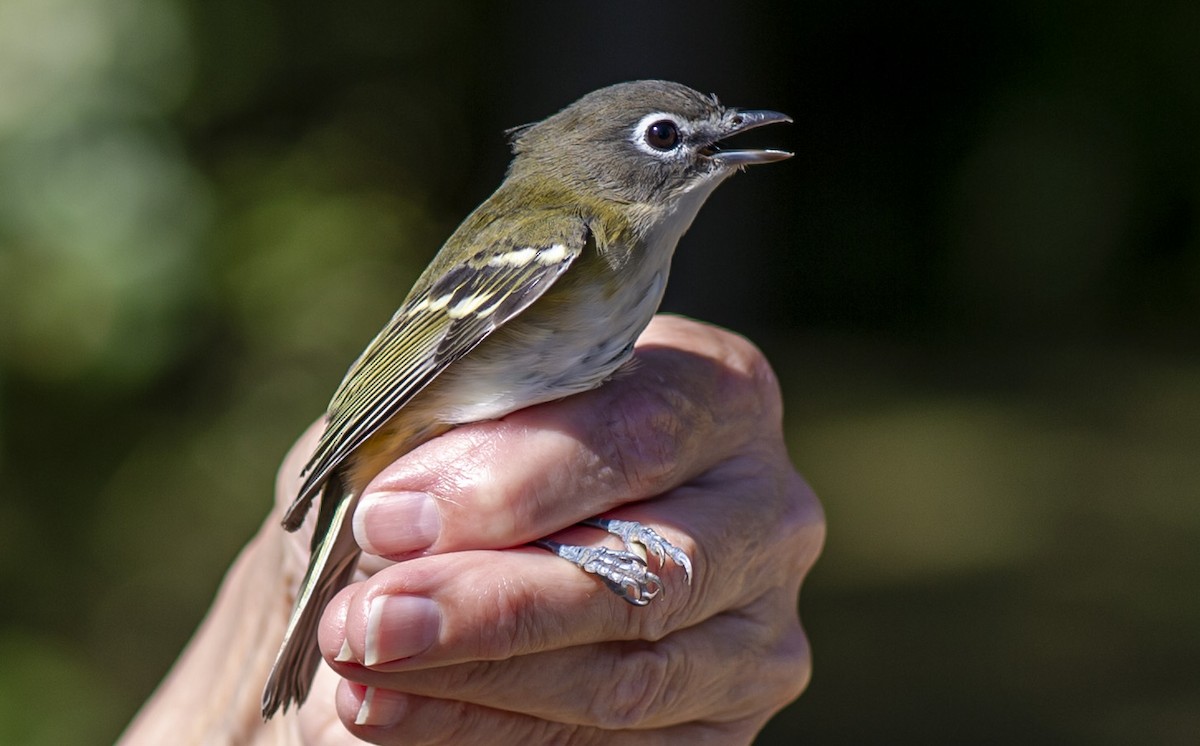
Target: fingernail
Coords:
[(381, 707), (391, 523), (400, 627), (345, 654)]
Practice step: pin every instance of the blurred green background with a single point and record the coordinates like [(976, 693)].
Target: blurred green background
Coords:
[(979, 280)]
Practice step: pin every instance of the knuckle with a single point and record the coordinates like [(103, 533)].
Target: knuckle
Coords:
[(751, 381), (803, 522), (511, 621), (644, 430), (788, 532), (729, 400), (472, 678), (640, 685), (656, 625), (778, 655), (792, 521), (793, 669)]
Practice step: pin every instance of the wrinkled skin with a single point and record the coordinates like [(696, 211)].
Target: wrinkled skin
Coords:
[(522, 647)]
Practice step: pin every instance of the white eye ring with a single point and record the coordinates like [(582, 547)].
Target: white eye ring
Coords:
[(643, 132)]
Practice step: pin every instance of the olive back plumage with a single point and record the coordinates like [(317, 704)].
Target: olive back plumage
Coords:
[(446, 315)]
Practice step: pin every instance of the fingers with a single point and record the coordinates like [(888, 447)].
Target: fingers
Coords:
[(717, 671), (500, 604), (724, 676), (434, 611), (521, 630), (395, 718), (697, 396)]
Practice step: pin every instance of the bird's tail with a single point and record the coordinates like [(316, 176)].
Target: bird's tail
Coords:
[(334, 558)]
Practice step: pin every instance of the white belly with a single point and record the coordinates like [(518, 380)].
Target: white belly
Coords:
[(531, 363)]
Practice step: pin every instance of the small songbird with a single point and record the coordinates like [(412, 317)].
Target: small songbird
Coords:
[(538, 295)]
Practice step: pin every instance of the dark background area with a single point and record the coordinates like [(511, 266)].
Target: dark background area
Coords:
[(979, 280)]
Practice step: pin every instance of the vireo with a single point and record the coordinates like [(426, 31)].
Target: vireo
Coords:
[(539, 294)]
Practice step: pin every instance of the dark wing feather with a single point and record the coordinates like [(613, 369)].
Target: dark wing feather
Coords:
[(436, 326)]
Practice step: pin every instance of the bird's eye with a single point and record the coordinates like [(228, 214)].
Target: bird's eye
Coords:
[(662, 135)]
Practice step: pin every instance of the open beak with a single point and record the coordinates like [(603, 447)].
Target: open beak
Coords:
[(744, 121)]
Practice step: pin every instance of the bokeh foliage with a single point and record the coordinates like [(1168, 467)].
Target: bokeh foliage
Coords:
[(979, 280)]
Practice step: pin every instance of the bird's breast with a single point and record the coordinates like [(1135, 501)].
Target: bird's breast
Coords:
[(565, 343)]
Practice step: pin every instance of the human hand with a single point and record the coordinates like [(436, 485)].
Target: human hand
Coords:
[(472, 642)]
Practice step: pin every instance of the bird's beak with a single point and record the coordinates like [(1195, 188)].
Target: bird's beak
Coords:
[(744, 121)]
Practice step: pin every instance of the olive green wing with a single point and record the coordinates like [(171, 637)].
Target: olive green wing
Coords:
[(446, 316)]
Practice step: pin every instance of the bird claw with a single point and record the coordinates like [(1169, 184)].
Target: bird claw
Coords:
[(623, 572), (634, 535)]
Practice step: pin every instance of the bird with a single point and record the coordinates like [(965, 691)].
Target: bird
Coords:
[(539, 294)]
